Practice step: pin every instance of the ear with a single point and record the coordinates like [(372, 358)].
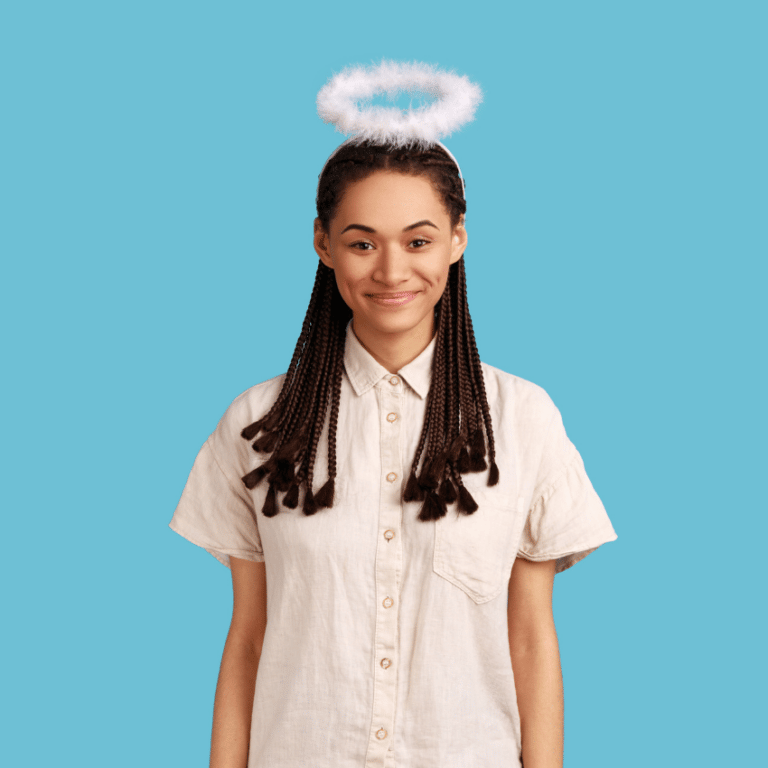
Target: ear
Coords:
[(320, 241), (458, 241)]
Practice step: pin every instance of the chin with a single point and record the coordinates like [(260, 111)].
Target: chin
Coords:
[(401, 322)]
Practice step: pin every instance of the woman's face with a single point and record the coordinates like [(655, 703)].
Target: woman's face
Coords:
[(391, 245)]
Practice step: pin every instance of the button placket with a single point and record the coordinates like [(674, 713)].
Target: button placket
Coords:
[(388, 568)]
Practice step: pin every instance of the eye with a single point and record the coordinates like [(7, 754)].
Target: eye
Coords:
[(361, 245), (420, 242)]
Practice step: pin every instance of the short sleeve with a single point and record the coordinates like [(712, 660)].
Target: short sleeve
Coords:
[(217, 514), (567, 520)]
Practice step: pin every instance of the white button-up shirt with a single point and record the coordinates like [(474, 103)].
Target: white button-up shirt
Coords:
[(386, 642)]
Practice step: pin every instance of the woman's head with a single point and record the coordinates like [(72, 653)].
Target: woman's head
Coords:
[(390, 244), (390, 224), (390, 190)]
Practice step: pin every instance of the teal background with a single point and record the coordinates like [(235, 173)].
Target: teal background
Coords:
[(158, 163)]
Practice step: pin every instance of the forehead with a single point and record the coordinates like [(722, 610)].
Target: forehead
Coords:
[(387, 199)]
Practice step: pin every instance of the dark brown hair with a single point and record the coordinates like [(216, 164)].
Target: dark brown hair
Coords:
[(457, 434)]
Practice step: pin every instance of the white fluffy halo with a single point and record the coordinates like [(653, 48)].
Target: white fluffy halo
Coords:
[(456, 99)]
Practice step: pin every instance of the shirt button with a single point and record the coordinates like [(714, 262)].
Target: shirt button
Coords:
[(391, 477), (387, 602), (391, 417), (385, 663), (394, 381), (381, 734), (389, 534)]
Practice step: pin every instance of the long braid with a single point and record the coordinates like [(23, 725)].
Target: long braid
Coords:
[(299, 411), (294, 417), (429, 476), (447, 490), (455, 341), (482, 399), (457, 432), (432, 472), (325, 496), (466, 402), (310, 504), (474, 422), (253, 429)]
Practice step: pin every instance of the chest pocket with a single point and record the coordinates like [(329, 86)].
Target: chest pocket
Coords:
[(474, 552)]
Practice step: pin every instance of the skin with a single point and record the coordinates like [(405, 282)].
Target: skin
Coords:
[(233, 703), (396, 257), (535, 655)]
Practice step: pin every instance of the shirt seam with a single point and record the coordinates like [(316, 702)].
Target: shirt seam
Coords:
[(591, 543), (186, 530)]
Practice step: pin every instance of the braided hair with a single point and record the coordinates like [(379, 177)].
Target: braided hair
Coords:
[(457, 436)]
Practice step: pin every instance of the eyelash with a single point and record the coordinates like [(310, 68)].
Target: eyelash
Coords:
[(415, 240)]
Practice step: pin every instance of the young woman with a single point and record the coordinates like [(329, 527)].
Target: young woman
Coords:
[(392, 509)]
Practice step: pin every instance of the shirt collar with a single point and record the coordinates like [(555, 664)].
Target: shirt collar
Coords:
[(364, 371)]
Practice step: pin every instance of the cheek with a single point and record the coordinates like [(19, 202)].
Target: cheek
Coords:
[(438, 276), (346, 282), (349, 273)]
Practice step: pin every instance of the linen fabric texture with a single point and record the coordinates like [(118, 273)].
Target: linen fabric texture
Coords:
[(387, 638)]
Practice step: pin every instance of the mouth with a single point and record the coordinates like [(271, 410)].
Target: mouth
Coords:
[(392, 299)]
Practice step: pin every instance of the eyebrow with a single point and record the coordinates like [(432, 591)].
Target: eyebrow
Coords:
[(422, 223)]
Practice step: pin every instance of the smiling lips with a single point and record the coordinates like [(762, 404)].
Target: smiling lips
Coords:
[(392, 299)]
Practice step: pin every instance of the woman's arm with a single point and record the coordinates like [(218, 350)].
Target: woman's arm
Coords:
[(535, 656), (233, 705)]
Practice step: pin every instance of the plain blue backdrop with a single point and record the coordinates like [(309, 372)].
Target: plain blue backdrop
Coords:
[(157, 176)]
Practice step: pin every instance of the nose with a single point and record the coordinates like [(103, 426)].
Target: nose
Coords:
[(392, 267)]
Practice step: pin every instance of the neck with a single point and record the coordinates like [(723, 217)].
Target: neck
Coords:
[(395, 350)]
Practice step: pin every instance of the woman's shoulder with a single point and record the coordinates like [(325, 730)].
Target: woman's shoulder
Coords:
[(249, 406), (259, 397), (512, 392)]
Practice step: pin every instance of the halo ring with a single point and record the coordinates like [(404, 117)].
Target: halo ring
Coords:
[(455, 102)]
